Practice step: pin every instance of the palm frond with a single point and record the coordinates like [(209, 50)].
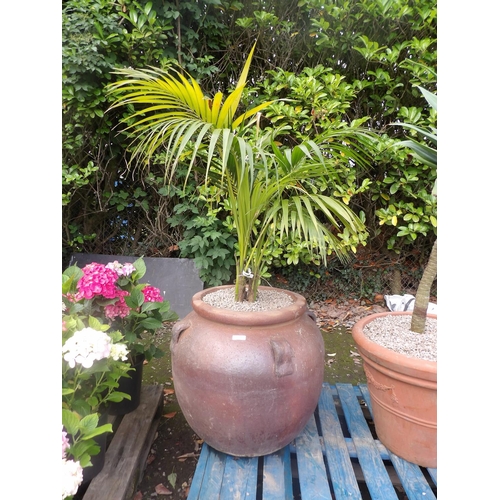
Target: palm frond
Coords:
[(167, 101), (270, 190)]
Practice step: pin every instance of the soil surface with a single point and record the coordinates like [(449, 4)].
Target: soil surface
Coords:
[(175, 451)]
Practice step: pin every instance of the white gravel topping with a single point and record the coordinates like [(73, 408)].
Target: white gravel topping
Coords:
[(266, 300), (393, 332)]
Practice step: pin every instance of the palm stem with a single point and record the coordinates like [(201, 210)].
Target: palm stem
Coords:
[(422, 297)]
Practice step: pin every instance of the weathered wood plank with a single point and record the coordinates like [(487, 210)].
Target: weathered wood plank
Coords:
[(277, 476), (312, 473), (240, 479), (377, 478), (340, 467), (127, 453)]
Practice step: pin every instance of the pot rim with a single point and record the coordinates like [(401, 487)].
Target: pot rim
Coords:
[(249, 318), (423, 368)]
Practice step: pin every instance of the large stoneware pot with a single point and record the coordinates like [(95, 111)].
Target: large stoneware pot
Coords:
[(403, 393), (247, 382)]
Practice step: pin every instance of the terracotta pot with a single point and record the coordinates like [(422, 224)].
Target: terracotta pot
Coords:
[(403, 394), (247, 382)]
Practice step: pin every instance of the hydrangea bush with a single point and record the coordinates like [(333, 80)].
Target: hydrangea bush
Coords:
[(108, 319), (93, 361), (78, 447), (72, 471), (112, 293)]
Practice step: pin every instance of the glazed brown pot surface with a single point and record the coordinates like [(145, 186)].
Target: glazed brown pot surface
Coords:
[(247, 382), (403, 394)]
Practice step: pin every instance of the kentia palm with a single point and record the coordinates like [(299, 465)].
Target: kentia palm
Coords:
[(247, 383), (270, 191)]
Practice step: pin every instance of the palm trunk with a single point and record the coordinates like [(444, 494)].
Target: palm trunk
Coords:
[(424, 292), (244, 291)]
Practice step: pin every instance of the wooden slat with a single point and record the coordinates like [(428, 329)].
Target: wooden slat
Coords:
[(199, 473), (376, 476), (214, 473), (240, 478), (342, 474), (412, 478), (365, 393), (384, 453), (277, 476), (312, 473), (126, 455), (414, 483), (434, 474)]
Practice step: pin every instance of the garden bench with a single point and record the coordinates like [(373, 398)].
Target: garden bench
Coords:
[(335, 456)]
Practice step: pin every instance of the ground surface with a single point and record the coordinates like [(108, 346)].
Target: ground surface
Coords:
[(173, 456)]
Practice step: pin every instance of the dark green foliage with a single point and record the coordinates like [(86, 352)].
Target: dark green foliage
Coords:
[(105, 210), (205, 237), (362, 278)]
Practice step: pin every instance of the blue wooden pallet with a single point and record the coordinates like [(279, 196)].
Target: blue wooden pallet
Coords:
[(335, 456)]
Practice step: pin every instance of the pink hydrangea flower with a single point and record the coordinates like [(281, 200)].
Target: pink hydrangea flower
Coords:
[(97, 279), (65, 443), (152, 294), (119, 308)]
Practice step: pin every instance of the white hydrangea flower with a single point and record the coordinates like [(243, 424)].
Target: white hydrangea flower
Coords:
[(86, 346), (72, 477), (121, 269), (127, 269), (119, 351), (116, 266)]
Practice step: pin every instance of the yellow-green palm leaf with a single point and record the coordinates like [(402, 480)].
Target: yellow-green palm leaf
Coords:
[(172, 111)]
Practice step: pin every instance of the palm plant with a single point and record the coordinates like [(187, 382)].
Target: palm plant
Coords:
[(270, 191), (428, 155)]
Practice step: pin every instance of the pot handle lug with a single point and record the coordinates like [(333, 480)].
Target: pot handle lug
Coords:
[(311, 315), (283, 357), (177, 330)]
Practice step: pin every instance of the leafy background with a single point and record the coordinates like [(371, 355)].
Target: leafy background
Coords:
[(330, 65)]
